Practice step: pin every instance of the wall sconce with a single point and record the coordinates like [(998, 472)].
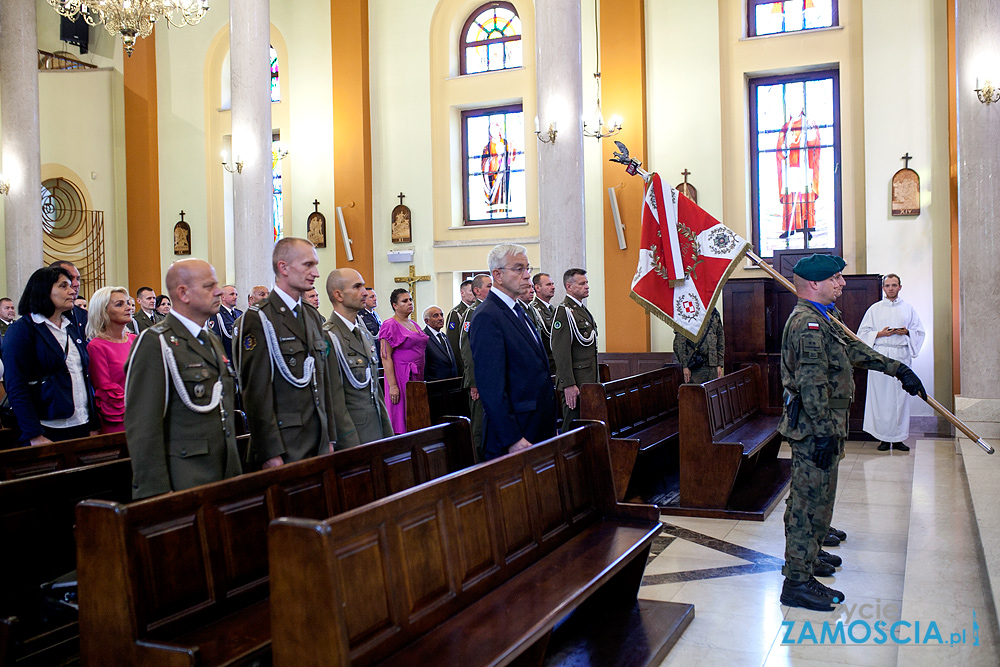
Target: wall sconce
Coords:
[(987, 94), (4, 186), (279, 151), (550, 137), (236, 169)]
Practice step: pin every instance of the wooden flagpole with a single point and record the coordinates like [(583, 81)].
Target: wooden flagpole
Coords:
[(931, 401)]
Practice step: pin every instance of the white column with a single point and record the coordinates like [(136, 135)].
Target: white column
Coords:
[(249, 39), (559, 77), (20, 154)]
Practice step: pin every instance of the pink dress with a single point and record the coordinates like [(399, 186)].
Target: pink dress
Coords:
[(107, 374), (408, 362)]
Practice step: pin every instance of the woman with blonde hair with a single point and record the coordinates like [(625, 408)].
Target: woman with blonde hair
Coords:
[(108, 350)]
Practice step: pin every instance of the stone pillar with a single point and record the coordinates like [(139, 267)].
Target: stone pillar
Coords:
[(20, 154), (249, 39), (559, 79)]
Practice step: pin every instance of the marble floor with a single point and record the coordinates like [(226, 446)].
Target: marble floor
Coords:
[(913, 555)]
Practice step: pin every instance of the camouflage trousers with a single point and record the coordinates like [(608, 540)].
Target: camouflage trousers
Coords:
[(808, 509), (703, 374)]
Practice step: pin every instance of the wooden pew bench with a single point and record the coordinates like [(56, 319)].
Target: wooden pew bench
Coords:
[(428, 403), (182, 578), (641, 413), (477, 568), (728, 449), (36, 522), (27, 461)]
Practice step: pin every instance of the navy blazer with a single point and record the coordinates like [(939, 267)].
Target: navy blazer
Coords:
[(38, 382), (438, 365), (512, 375)]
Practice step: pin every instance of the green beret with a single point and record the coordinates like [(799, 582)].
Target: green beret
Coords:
[(819, 267)]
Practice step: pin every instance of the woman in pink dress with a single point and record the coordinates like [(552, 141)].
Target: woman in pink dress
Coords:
[(403, 345), (108, 351)]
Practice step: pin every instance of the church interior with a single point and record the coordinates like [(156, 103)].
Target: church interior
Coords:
[(368, 128)]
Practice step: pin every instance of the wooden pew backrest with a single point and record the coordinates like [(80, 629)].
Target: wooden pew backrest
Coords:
[(634, 403), (41, 459), (428, 403)]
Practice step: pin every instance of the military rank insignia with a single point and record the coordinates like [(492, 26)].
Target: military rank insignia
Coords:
[(557, 325), (249, 342)]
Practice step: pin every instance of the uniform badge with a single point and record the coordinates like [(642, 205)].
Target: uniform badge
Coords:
[(451, 325), (813, 325), (173, 340), (211, 324), (225, 359), (557, 325), (465, 327), (249, 342), (199, 390), (326, 350), (291, 362)]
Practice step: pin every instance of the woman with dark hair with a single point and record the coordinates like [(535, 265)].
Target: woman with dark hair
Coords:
[(403, 345), (162, 305), (46, 361)]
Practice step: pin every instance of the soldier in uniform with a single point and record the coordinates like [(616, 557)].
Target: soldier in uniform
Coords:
[(359, 406), (542, 311), (146, 316), (281, 360), (223, 322), (574, 343), (179, 392), (481, 285), (453, 325), (816, 371), (702, 361)]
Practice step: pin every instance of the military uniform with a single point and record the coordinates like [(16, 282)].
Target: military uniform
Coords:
[(453, 327), (469, 376), (817, 365), (543, 314), (574, 348), (175, 440), (142, 321), (288, 408), (358, 406), (222, 326), (704, 357)]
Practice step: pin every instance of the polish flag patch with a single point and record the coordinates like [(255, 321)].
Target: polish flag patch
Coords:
[(813, 325)]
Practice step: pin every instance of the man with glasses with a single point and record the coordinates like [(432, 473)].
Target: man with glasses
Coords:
[(574, 343), (511, 367)]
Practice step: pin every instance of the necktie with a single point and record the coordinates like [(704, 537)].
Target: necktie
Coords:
[(524, 320), (295, 310), (203, 337), (444, 343), (361, 338)]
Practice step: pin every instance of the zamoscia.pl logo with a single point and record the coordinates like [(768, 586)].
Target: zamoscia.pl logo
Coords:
[(871, 626)]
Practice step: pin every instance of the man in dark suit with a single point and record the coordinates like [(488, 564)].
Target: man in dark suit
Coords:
[(512, 369), (8, 313), (222, 323), (371, 319), (77, 316), (439, 358), (145, 315)]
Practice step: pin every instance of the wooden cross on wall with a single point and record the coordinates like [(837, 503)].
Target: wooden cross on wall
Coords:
[(906, 160), (685, 174), (182, 216), (411, 281)]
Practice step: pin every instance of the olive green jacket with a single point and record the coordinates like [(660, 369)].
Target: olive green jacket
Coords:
[(453, 328), (817, 364), (576, 364), (171, 446), (543, 314), (711, 347), (284, 420), (359, 416), (465, 347)]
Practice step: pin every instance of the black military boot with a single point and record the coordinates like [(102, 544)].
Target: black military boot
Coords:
[(841, 535), (808, 594), (831, 540), (838, 597), (832, 559), (823, 569)]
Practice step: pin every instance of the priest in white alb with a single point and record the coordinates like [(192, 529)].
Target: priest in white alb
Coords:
[(892, 328)]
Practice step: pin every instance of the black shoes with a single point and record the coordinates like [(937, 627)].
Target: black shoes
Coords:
[(823, 569), (831, 540), (841, 535), (900, 446), (810, 595), (883, 446), (832, 559)]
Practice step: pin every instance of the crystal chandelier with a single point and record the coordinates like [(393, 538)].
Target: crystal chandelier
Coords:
[(598, 128), (132, 19)]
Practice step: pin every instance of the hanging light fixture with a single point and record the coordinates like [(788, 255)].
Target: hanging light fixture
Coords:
[(596, 127), (132, 19)]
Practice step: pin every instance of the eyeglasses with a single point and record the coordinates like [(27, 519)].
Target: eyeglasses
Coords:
[(517, 269)]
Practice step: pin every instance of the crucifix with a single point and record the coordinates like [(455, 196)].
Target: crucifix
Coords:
[(401, 196), (411, 282), (686, 188), (316, 205), (906, 160), (182, 215)]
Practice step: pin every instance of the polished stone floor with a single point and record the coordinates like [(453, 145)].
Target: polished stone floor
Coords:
[(913, 555)]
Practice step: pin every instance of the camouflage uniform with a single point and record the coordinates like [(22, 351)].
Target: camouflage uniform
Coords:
[(817, 364), (711, 348)]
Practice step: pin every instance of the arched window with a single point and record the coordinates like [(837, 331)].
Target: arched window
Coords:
[(491, 39), (275, 88)]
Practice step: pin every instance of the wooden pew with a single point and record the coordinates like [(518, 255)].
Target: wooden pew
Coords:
[(182, 579), (623, 364), (477, 568), (642, 416), (27, 461), (429, 403), (728, 449), (36, 522)]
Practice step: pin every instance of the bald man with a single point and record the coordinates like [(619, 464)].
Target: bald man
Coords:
[(359, 405), (257, 293), (281, 359), (222, 323), (179, 422)]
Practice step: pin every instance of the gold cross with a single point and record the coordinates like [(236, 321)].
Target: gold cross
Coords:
[(411, 281)]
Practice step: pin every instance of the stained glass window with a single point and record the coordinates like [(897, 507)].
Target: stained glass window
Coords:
[(275, 87), (770, 18), (493, 178), (795, 160), (491, 39), (277, 210)]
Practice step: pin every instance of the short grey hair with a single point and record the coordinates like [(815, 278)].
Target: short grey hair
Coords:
[(495, 260), (428, 309)]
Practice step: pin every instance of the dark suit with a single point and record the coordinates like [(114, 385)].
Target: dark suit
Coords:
[(440, 359), (222, 326), (32, 355), (171, 446), (512, 374)]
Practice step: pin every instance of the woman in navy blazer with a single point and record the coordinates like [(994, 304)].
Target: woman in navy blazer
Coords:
[(45, 361)]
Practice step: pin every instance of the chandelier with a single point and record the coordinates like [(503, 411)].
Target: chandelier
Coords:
[(132, 19), (597, 127)]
